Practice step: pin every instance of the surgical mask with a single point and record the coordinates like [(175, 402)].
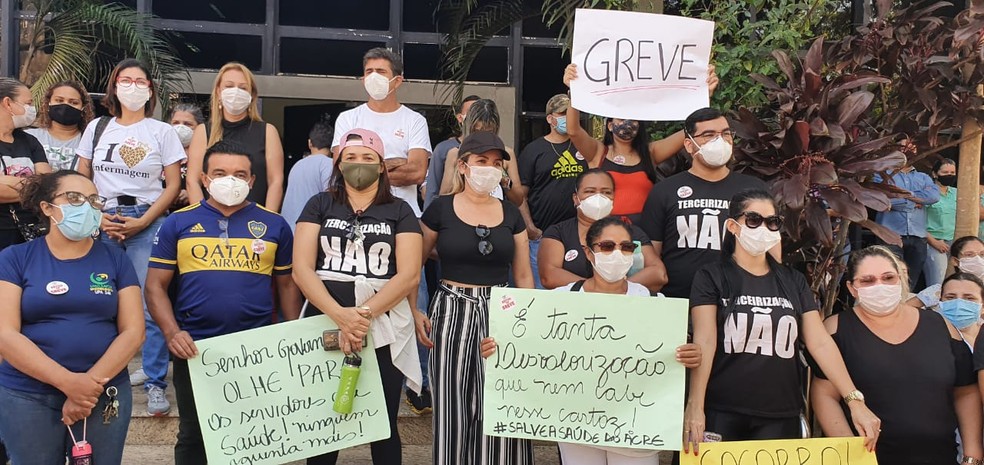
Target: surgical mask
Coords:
[(359, 175), (880, 299), (236, 100), (596, 207), (962, 313), (484, 179), (561, 124), (64, 113), (715, 153), (626, 130), (613, 266), (377, 86), (228, 190), (973, 265), (758, 241), (184, 134), (78, 222), (133, 97), (24, 120)]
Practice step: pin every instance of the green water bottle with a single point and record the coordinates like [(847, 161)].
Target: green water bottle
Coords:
[(346, 386)]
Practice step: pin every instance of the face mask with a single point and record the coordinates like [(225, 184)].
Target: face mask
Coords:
[(78, 222), (949, 180), (184, 134), (973, 265), (65, 114), (596, 207), (962, 313), (377, 86), (484, 178), (612, 267), (133, 98), (626, 130), (24, 120), (235, 100), (561, 124), (715, 153), (759, 240), (359, 175), (880, 299), (228, 190)]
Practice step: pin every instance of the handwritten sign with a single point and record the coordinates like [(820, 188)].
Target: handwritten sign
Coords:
[(587, 368), (265, 396), (640, 66), (821, 451)]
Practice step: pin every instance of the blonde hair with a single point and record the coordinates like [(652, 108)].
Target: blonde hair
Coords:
[(482, 111), (458, 180), (215, 117)]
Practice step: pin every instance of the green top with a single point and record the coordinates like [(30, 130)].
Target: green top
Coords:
[(941, 217)]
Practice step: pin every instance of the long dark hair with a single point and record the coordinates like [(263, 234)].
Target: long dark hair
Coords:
[(737, 206), (640, 144), (336, 185)]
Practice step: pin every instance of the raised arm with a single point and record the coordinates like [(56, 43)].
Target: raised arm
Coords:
[(590, 148)]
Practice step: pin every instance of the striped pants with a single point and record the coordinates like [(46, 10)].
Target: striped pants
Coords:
[(460, 320)]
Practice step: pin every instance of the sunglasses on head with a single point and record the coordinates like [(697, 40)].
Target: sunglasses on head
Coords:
[(609, 246), (484, 245), (354, 231), (754, 220)]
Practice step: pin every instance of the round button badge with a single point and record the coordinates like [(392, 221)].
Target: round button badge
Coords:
[(56, 288)]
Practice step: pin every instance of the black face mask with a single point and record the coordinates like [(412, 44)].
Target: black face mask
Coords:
[(65, 114), (626, 130), (948, 180)]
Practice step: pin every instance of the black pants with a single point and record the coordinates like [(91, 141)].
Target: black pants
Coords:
[(3, 454), (387, 451), (739, 427), (913, 253), (190, 448)]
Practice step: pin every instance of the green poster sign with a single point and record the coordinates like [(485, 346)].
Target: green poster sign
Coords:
[(265, 396), (587, 368)]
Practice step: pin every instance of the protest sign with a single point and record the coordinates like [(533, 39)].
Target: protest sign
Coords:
[(640, 66), (820, 451), (265, 396), (596, 369)]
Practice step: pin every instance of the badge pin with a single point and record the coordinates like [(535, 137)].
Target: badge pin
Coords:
[(56, 288), (570, 255), (259, 246), (684, 192)]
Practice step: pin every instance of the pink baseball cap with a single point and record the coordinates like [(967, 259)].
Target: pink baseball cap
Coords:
[(362, 138)]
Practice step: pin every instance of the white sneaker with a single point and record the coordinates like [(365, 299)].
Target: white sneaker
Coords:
[(137, 378), (157, 404)]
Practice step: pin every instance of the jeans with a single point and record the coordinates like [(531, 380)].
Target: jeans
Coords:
[(35, 435), (534, 250), (913, 253), (137, 249), (190, 448), (935, 268), (423, 304)]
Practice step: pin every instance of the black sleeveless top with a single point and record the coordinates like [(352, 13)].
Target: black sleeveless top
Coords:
[(252, 136), (909, 386)]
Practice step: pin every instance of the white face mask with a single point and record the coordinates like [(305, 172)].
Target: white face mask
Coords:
[(596, 207), (484, 179), (880, 299), (973, 265), (228, 190), (184, 134), (235, 100), (758, 241), (133, 98), (612, 267), (715, 153), (377, 86), (24, 120)]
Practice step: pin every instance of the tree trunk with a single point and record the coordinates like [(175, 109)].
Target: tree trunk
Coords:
[(968, 179)]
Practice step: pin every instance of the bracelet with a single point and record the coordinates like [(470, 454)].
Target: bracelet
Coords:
[(972, 461)]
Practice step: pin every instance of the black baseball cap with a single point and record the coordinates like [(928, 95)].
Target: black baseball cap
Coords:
[(481, 142)]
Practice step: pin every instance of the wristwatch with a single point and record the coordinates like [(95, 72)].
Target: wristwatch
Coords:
[(366, 308), (853, 395), (972, 461)]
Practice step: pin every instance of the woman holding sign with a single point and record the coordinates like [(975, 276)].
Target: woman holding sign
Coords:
[(748, 313), (626, 151), (913, 366)]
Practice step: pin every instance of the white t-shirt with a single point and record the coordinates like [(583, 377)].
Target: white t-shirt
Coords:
[(401, 131), (130, 160), (634, 289), (60, 153)]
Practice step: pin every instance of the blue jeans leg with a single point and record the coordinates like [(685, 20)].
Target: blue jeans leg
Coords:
[(423, 304), (534, 250), (935, 269)]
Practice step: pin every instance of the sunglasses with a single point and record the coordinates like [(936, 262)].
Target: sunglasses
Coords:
[(609, 246), (224, 228), (871, 280), (754, 220), (354, 231), (483, 232)]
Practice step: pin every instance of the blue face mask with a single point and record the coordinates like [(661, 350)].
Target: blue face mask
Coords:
[(962, 313), (561, 124), (79, 222)]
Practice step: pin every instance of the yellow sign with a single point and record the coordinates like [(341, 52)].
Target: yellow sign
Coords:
[(822, 451)]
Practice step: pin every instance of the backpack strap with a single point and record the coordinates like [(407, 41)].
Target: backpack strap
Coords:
[(100, 129), (577, 285)]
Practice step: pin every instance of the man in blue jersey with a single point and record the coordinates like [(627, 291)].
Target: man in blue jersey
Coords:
[(226, 252)]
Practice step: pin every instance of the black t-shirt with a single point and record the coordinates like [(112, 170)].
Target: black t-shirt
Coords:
[(574, 260), (17, 159), (755, 369), (549, 171), (687, 214), (457, 244), (251, 135), (909, 386), (375, 258)]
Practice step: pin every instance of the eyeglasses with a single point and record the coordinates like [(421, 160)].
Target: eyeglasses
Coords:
[(76, 199), (483, 232), (727, 135), (354, 231), (609, 246), (224, 228), (871, 280), (754, 220), (127, 82)]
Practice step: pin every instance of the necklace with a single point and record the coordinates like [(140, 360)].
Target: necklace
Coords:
[(554, 147), (358, 211)]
